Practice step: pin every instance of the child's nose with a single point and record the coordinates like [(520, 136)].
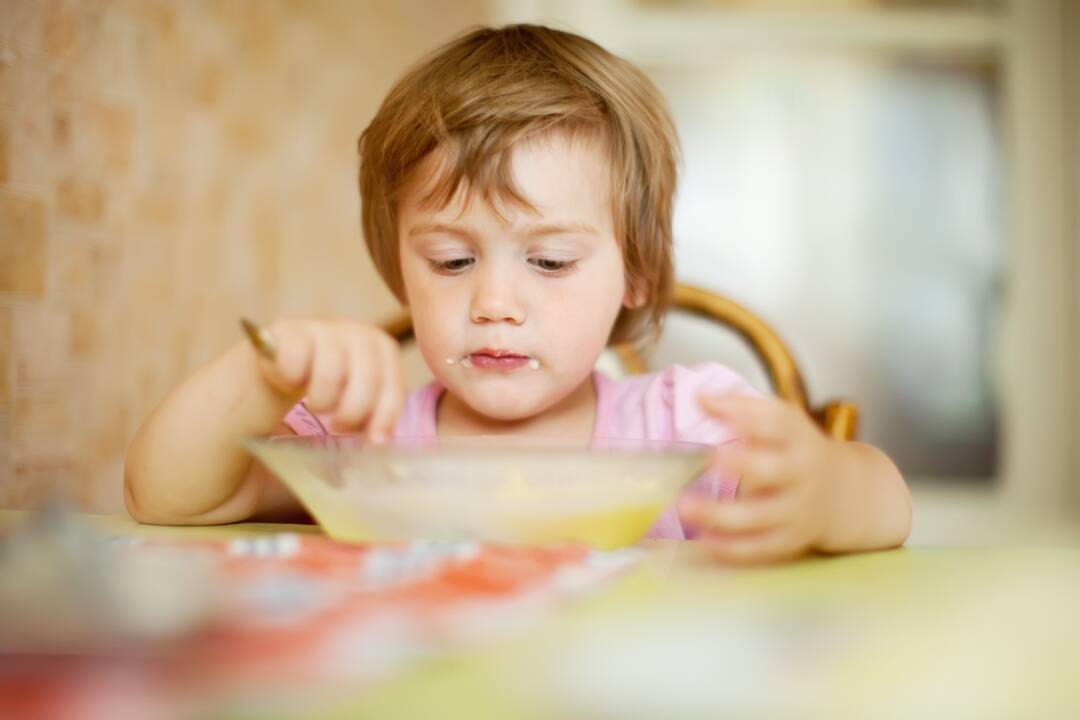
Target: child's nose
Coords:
[(495, 300)]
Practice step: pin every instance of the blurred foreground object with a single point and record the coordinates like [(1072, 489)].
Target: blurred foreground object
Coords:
[(66, 588)]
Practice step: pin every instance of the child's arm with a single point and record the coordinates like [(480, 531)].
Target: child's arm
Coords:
[(186, 465), (799, 491)]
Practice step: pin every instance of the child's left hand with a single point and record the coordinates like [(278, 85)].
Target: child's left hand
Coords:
[(786, 467)]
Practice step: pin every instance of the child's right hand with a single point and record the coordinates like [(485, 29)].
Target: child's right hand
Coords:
[(347, 368)]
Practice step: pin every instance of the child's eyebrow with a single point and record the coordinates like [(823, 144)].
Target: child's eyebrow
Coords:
[(558, 228), (530, 230), (447, 228)]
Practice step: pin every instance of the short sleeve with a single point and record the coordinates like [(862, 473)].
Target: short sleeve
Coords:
[(666, 405), (684, 387)]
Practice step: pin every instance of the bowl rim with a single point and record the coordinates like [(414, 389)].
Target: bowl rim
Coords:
[(488, 445)]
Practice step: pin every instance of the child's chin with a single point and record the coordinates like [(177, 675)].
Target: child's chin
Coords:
[(507, 407)]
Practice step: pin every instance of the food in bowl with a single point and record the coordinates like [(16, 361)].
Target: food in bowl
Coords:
[(496, 489)]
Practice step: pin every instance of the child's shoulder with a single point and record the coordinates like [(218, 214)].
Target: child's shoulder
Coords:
[(664, 405)]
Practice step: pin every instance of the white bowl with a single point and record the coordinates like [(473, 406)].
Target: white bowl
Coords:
[(496, 489)]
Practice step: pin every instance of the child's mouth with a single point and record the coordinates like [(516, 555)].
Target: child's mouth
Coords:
[(499, 360)]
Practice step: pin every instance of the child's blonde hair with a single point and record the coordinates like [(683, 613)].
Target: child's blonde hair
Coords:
[(480, 95)]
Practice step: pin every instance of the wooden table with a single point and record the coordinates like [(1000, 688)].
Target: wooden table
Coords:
[(916, 632)]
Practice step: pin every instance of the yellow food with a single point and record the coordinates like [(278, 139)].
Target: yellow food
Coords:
[(605, 529)]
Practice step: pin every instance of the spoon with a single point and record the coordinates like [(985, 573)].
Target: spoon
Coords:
[(261, 339)]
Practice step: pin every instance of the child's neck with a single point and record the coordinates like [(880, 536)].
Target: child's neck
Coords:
[(572, 417)]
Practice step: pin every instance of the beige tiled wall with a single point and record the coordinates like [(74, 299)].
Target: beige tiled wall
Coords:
[(164, 168)]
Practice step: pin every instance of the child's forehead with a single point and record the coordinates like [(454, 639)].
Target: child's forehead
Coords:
[(552, 175)]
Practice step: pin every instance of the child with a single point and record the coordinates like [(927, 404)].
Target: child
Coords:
[(517, 196)]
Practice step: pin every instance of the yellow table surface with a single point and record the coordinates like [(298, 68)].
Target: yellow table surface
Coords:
[(915, 632)]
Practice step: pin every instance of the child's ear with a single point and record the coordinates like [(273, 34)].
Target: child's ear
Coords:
[(634, 297)]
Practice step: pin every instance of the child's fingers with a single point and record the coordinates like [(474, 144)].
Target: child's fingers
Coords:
[(759, 421), (758, 470), (364, 374), (753, 549), (735, 518), (391, 396), (328, 371), (289, 371)]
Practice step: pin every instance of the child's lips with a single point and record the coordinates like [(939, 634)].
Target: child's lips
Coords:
[(497, 352), (498, 360)]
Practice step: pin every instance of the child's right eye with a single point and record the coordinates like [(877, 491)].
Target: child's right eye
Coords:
[(454, 265)]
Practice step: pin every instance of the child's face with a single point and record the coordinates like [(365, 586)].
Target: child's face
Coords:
[(526, 299)]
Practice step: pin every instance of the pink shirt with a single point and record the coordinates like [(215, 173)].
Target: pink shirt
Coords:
[(660, 406)]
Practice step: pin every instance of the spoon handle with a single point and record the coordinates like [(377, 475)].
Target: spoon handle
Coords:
[(261, 339)]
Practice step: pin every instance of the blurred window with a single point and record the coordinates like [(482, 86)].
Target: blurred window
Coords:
[(842, 176)]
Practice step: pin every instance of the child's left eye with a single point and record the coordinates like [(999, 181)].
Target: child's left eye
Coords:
[(552, 267)]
